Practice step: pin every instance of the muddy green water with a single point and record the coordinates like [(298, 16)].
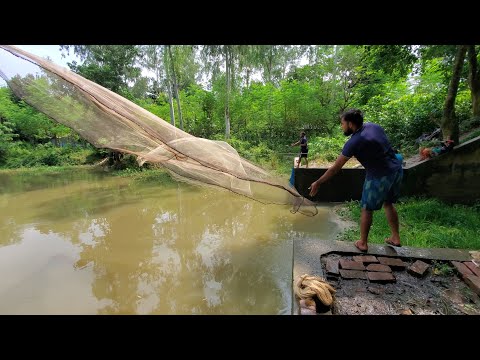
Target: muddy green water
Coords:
[(83, 242)]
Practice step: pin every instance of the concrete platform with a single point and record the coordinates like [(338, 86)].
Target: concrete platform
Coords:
[(307, 254)]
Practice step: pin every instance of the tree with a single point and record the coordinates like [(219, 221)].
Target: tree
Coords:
[(397, 60), (175, 84), (274, 61), (474, 79), (6, 136), (151, 59), (154, 59), (181, 70), (140, 88), (213, 56), (449, 123), (391, 59), (111, 66)]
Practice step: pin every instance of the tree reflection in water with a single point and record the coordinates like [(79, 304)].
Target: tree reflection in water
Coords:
[(166, 249)]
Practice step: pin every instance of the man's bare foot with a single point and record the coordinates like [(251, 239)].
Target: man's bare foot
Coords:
[(393, 241), (361, 245)]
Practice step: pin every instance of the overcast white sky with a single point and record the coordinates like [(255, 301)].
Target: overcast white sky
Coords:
[(23, 67), (51, 51)]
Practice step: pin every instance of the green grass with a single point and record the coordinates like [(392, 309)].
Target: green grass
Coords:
[(136, 174), (35, 170), (426, 223)]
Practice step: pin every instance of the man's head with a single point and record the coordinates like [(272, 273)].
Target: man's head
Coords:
[(351, 120), (302, 134)]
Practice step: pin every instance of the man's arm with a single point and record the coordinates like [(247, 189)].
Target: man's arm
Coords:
[(341, 160)]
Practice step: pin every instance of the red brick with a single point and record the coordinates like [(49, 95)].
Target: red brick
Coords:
[(353, 274), (474, 283), (365, 259), (379, 267), (462, 269), (473, 268), (394, 263), (381, 277), (351, 265), (332, 266), (418, 268)]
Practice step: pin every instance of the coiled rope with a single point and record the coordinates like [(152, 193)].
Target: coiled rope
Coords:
[(308, 286)]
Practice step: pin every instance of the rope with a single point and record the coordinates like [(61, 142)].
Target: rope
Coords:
[(309, 286)]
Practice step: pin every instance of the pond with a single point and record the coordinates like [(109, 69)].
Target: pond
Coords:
[(88, 242)]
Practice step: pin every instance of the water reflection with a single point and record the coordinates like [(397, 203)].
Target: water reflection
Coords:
[(93, 244)]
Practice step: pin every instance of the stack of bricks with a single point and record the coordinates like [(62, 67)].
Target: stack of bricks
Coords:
[(470, 273), (365, 267), (375, 269)]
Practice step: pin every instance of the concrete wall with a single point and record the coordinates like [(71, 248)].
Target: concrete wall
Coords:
[(346, 185), (452, 177)]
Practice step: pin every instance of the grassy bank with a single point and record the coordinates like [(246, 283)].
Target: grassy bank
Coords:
[(427, 223), (35, 170), (156, 174)]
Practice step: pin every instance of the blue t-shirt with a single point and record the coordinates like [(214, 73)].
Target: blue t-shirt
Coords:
[(303, 144), (371, 147)]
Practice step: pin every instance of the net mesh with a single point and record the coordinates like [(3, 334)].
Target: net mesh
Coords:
[(107, 120)]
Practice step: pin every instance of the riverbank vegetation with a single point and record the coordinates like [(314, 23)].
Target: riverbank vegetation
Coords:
[(268, 95)]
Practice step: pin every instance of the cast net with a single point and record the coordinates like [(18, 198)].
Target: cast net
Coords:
[(107, 120)]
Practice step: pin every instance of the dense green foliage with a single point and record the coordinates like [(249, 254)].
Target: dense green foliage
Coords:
[(268, 95)]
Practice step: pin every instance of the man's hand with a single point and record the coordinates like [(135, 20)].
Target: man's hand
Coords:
[(314, 188), (341, 160)]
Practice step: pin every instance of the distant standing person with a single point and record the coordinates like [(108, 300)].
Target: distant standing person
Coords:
[(369, 144), (303, 149)]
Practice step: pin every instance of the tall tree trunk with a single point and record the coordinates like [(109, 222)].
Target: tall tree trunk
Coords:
[(474, 80), (169, 88), (228, 60), (270, 67), (170, 103), (334, 75), (449, 121), (175, 87)]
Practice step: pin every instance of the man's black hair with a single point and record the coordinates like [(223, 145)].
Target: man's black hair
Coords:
[(355, 116)]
